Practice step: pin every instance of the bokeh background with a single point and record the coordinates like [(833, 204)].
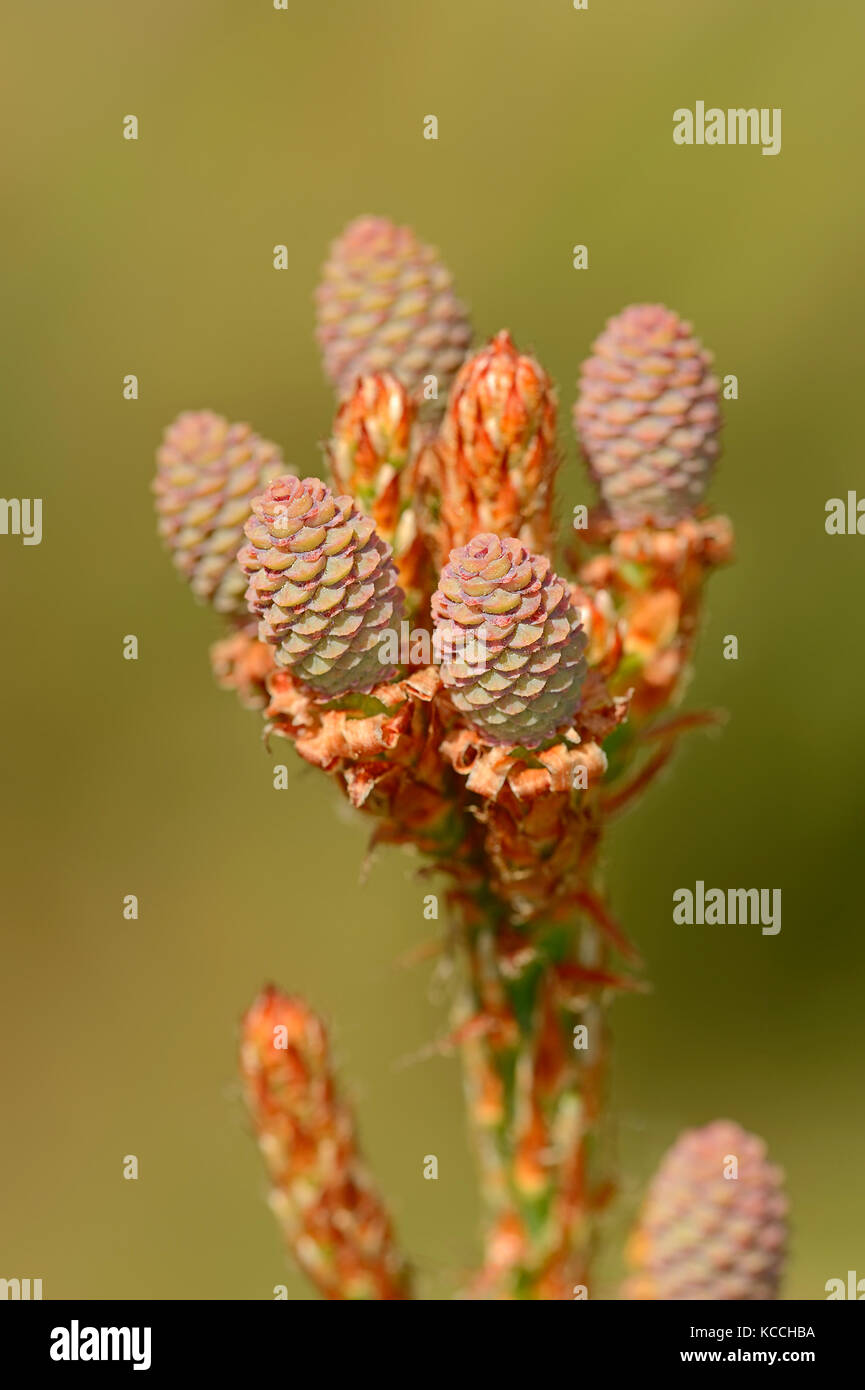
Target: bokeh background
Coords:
[(259, 127)]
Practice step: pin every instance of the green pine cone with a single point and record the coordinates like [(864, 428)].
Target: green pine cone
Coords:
[(511, 642), (323, 584)]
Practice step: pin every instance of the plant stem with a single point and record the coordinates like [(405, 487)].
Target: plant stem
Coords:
[(536, 1108)]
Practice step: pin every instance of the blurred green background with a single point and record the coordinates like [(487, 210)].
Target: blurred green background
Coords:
[(259, 127)]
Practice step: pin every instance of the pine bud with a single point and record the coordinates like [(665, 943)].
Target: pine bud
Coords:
[(498, 448), (241, 662), (323, 585), (370, 449), (322, 1196), (371, 459)]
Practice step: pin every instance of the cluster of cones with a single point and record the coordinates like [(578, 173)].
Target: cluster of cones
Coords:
[(408, 629)]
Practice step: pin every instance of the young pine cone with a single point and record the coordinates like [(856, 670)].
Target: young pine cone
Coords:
[(648, 416), (498, 448), (704, 1235), (386, 304), (512, 644), (323, 585), (207, 473)]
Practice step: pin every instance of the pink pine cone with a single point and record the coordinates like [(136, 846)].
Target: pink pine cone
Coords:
[(704, 1235), (648, 416), (323, 584), (386, 304), (207, 473)]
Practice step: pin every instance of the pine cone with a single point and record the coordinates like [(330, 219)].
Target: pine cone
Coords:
[(512, 644), (207, 472), (648, 416), (498, 448), (323, 1198), (386, 304), (323, 584), (706, 1236)]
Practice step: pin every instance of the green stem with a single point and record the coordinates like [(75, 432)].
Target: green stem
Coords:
[(535, 1105)]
